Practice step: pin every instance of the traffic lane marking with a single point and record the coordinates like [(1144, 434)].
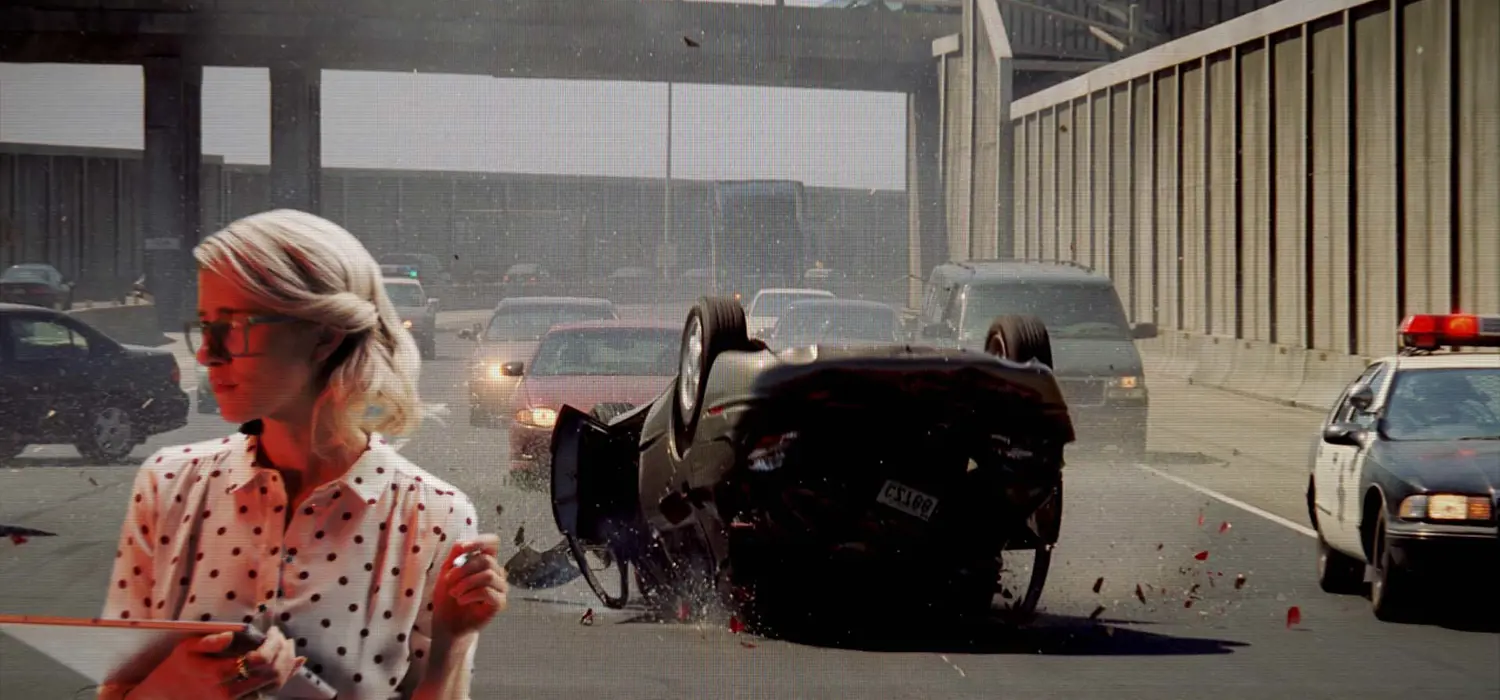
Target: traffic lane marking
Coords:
[(1290, 525)]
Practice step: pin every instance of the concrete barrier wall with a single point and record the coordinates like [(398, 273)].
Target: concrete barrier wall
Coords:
[(135, 324), (1295, 181)]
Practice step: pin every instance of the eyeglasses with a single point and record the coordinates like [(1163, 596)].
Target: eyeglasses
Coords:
[(229, 335)]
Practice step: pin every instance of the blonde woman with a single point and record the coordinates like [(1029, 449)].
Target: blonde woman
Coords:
[(305, 523)]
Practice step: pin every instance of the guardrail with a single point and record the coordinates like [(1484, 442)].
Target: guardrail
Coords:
[(1290, 376)]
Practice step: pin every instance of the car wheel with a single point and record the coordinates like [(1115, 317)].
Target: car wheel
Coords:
[(714, 325), (1338, 573), (109, 436), (1019, 338), (1391, 588)]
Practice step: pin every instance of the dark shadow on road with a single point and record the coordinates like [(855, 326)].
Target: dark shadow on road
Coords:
[(1056, 635)]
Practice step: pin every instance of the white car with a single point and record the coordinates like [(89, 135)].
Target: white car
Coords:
[(768, 304)]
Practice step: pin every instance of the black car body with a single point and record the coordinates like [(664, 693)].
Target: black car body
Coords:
[(919, 464), (1098, 365), (62, 381)]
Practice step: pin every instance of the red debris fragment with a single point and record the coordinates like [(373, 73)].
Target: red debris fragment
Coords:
[(1200, 518), (1098, 584), (18, 539), (1140, 594), (1201, 556), (1293, 617), (1187, 603), (588, 618), (1239, 582), (735, 626), (1224, 527)]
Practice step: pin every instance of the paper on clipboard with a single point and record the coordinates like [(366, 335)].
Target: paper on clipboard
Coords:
[(126, 651)]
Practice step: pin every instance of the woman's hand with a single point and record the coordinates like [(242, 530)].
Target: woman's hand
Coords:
[(201, 669), (468, 596)]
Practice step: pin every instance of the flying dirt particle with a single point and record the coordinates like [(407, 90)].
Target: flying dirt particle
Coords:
[(1158, 546), (690, 43), (499, 509), (1140, 594), (1098, 584), (1224, 527), (1239, 581), (92, 482), (1096, 613), (588, 618), (1201, 556), (1293, 617), (1194, 589), (1187, 603), (520, 536), (735, 626)]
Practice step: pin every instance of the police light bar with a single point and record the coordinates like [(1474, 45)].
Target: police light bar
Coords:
[(1432, 331)]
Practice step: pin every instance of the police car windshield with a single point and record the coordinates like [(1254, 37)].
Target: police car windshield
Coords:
[(1444, 404), (1070, 310)]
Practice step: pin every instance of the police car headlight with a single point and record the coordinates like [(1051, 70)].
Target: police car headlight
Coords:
[(1446, 506)]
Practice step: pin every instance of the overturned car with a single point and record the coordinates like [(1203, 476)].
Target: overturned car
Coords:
[(786, 480)]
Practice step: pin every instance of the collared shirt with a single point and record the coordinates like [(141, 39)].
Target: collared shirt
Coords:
[(350, 579)]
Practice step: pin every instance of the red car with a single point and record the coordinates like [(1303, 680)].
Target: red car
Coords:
[(584, 365)]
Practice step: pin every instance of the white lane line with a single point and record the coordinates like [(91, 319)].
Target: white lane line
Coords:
[(1293, 526)]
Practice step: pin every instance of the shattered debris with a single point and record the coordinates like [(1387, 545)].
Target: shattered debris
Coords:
[(1201, 556), (1239, 581), (1140, 593), (1293, 617), (588, 618), (1097, 612), (1098, 584), (1224, 527)]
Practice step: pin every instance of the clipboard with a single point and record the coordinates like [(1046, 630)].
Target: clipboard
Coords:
[(126, 651)]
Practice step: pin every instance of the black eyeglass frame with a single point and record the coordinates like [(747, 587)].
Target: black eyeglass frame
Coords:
[(216, 332)]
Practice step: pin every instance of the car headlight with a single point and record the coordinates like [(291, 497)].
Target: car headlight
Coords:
[(539, 417), (1446, 506), (1127, 387), (406, 323)]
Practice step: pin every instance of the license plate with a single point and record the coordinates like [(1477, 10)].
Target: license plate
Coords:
[(907, 499)]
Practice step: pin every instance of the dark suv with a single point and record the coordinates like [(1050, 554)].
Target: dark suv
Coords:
[(1093, 343)]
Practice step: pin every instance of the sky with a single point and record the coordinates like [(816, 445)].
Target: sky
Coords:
[(480, 123)]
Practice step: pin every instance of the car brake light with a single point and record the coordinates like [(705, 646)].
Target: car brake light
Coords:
[(1431, 331)]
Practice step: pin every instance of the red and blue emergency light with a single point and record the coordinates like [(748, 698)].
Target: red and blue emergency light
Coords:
[(1432, 331)]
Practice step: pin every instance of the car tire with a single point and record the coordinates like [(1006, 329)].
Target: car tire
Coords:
[(1338, 573), (714, 325), (1019, 338), (1392, 591), (109, 436)]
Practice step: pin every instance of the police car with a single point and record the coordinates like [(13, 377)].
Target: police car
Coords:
[(1405, 478)]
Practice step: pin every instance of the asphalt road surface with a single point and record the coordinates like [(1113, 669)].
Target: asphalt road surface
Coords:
[(1191, 633)]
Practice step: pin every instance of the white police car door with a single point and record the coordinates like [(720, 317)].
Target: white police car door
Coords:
[(1336, 474)]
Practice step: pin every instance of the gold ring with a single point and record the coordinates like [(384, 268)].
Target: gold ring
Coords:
[(242, 668)]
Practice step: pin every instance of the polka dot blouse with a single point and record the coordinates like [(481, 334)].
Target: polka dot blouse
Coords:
[(350, 579)]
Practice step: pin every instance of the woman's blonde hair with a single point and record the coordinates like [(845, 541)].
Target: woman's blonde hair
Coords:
[(306, 266)]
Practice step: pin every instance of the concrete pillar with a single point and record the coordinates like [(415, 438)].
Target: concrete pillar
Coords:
[(926, 233), (296, 138), (171, 216)]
